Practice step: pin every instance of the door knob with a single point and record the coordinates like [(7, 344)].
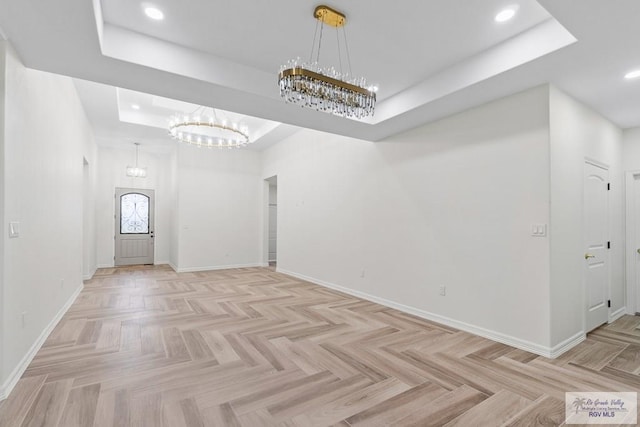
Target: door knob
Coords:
[(587, 256), (638, 251)]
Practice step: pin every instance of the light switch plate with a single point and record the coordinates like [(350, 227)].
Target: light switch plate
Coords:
[(14, 229), (539, 230)]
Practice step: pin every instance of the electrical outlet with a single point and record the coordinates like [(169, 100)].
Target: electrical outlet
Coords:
[(24, 319), (443, 290), (362, 273), (61, 283)]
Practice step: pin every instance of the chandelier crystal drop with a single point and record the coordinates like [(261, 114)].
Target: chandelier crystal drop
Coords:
[(205, 130), (324, 88)]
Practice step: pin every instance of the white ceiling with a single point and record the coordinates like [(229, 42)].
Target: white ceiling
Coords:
[(429, 58), (259, 35)]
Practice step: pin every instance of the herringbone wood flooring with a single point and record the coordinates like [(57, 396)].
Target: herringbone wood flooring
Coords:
[(144, 346)]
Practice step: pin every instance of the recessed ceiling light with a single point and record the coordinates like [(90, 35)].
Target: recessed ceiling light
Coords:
[(135, 106), (506, 14), (632, 74), (154, 13)]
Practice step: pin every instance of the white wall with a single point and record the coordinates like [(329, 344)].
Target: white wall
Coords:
[(3, 52), (450, 203), (577, 133), (43, 178), (219, 209), (112, 167)]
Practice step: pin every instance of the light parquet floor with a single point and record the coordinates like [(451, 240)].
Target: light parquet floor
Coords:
[(144, 346)]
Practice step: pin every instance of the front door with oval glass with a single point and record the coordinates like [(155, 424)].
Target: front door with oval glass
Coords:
[(134, 226)]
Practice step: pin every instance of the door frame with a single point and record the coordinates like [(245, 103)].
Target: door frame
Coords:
[(606, 167), (88, 233), (632, 292), (273, 212), (116, 220)]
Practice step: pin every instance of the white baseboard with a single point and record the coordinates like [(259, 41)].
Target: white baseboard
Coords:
[(214, 267), (566, 345), (531, 347), (90, 275), (617, 314), (11, 382), (113, 265)]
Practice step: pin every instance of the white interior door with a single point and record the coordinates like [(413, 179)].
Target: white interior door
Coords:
[(596, 236), (134, 226)]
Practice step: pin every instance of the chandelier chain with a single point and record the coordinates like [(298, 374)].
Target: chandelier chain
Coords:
[(339, 51), (320, 41), (346, 46), (313, 45)]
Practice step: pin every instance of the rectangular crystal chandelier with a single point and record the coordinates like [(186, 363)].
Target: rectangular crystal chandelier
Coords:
[(326, 89)]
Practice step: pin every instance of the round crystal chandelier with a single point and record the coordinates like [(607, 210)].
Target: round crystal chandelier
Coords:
[(202, 128), (324, 88)]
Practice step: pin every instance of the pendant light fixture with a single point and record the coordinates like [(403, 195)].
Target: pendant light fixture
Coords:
[(326, 89), (137, 171), (203, 128)]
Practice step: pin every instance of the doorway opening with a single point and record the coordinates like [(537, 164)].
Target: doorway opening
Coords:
[(134, 231), (633, 241), (272, 222)]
